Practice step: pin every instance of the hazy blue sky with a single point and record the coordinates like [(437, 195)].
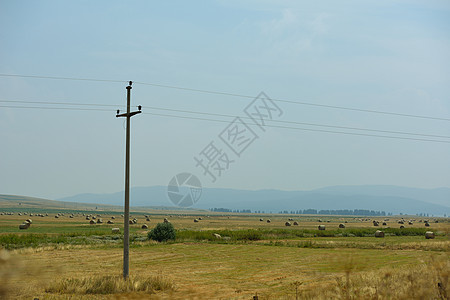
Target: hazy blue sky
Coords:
[(376, 55)]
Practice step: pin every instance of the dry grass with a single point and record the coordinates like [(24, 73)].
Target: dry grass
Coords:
[(426, 281), (109, 284)]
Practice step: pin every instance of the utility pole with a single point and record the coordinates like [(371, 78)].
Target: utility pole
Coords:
[(126, 227)]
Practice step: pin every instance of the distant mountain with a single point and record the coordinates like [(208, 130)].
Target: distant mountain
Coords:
[(380, 198)]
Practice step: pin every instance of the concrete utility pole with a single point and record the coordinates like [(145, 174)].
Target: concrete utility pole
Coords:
[(126, 227)]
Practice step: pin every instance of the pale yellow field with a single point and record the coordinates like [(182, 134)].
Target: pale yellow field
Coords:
[(306, 268)]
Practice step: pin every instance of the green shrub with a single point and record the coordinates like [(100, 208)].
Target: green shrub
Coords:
[(162, 232)]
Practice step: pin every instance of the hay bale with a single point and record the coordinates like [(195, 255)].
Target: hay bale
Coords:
[(92, 222), (24, 226), (321, 227), (195, 220), (115, 230), (88, 218), (110, 222), (384, 223), (56, 216), (287, 224), (261, 220), (427, 224), (200, 218), (99, 221), (341, 225), (268, 221), (144, 226), (148, 219), (429, 235), (130, 222), (296, 223), (113, 217), (217, 236), (401, 226), (166, 220), (29, 221), (379, 234)]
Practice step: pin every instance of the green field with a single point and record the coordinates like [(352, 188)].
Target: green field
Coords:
[(58, 258)]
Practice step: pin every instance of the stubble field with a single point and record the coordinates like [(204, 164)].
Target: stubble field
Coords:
[(66, 257)]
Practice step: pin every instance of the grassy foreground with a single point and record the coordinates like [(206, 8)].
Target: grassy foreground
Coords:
[(61, 258)]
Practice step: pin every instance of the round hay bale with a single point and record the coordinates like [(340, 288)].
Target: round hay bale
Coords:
[(24, 226), (148, 219), (384, 223), (261, 220), (341, 225), (287, 224), (113, 217), (166, 220), (131, 222), (92, 222), (379, 234), (427, 224), (195, 220), (29, 221), (321, 227), (200, 218), (296, 223), (268, 221), (115, 230), (110, 222), (88, 218), (99, 221), (56, 216), (401, 227), (144, 226), (429, 235)]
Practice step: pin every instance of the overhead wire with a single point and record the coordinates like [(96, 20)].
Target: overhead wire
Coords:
[(210, 114), (228, 121), (308, 129), (236, 95)]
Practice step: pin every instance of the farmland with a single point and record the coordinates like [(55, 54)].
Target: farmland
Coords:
[(58, 257)]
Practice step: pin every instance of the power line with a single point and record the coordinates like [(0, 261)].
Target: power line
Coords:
[(305, 129), (60, 103), (59, 108), (236, 95), (209, 114), (301, 123), (62, 78)]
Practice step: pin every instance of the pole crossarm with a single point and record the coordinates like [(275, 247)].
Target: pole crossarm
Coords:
[(130, 114)]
